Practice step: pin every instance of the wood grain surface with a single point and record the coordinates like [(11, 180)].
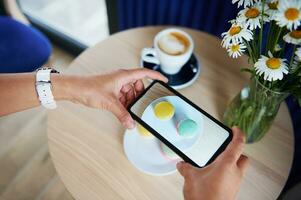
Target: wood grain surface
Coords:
[(86, 145)]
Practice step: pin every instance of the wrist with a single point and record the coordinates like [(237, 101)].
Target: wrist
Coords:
[(62, 87)]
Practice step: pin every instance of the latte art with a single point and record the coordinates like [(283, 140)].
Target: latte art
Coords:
[(173, 43)]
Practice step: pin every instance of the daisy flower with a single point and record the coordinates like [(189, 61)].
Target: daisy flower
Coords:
[(236, 50), (272, 68), (245, 3), (289, 14), (235, 35), (251, 16), (293, 37), (272, 9)]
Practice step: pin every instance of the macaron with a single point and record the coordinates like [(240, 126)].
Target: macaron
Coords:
[(144, 132), (168, 153), (187, 128), (164, 110)]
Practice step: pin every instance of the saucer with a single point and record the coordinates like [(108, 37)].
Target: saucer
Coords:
[(184, 78), (146, 154)]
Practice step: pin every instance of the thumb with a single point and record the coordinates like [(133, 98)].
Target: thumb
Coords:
[(185, 169), (122, 115)]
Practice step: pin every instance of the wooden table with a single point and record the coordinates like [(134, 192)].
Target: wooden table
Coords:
[(86, 144)]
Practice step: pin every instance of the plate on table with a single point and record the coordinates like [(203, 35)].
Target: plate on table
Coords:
[(146, 154)]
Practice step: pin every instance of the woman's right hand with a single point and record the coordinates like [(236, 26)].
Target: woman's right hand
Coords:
[(219, 180)]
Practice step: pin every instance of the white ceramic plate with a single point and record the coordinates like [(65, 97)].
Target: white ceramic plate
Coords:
[(146, 154)]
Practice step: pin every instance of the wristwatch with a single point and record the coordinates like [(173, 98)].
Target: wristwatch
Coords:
[(43, 87)]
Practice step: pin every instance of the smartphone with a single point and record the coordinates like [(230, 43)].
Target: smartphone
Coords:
[(186, 129)]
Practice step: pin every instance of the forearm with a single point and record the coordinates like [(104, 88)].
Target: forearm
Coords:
[(18, 91)]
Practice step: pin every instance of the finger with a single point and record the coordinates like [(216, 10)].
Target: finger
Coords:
[(139, 87), (136, 74), (127, 87), (235, 148), (122, 99), (122, 115), (185, 169), (243, 163), (130, 96)]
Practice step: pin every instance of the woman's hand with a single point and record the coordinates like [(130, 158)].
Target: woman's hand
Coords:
[(219, 180), (112, 91)]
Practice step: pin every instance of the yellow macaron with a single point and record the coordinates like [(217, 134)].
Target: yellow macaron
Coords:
[(164, 110), (144, 132)]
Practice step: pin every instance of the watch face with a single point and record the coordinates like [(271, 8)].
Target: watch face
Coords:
[(48, 68)]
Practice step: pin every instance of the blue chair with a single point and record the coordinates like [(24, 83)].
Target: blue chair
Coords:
[(209, 16), (295, 112), (22, 47)]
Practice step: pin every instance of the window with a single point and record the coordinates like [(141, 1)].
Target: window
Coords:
[(84, 22)]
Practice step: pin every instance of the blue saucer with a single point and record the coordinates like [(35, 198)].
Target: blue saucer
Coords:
[(184, 78)]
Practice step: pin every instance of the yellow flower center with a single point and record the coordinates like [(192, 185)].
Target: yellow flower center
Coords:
[(235, 47), (292, 14), (273, 6), (234, 30), (273, 63), (252, 13), (295, 34)]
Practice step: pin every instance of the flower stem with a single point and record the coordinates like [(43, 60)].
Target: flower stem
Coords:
[(250, 51), (261, 28), (271, 30), (292, 58), (276, 40)]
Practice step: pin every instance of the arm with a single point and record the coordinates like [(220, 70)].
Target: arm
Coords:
[(112, 91), (18, 91)]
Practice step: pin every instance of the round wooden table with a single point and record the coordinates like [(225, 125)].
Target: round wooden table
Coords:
[(86, 144)]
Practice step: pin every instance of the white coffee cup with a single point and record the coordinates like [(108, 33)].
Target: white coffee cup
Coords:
[(172, 49)]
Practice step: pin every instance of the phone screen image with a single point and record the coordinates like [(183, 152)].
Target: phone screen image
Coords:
[(179, 123)]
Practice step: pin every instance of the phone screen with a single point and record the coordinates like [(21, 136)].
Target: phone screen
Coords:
[(180, 125)]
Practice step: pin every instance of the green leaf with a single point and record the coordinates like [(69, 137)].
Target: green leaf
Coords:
[(299, 101)]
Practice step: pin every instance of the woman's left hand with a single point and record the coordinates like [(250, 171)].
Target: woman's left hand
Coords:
[(112, 91)]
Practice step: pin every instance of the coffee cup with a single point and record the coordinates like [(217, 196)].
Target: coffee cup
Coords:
[(172, 49)]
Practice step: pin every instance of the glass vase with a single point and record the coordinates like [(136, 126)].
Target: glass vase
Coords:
[(253, 110)]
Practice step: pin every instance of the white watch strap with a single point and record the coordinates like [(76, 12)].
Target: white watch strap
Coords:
[(43, 87)]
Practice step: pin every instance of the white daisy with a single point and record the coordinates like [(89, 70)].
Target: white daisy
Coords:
[(245, 3), (289, 14), (293, 37), (298, 54), (236, 50), (251, 16), (272, 9), (235, 35), (272, 68)]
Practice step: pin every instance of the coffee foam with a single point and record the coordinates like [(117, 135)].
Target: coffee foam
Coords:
[(173, 43)]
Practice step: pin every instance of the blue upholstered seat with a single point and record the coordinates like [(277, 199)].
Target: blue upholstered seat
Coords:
[(22, 47), (295, 112), (209, 16)]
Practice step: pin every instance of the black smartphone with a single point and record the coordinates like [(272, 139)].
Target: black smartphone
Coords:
[(189, 131)]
